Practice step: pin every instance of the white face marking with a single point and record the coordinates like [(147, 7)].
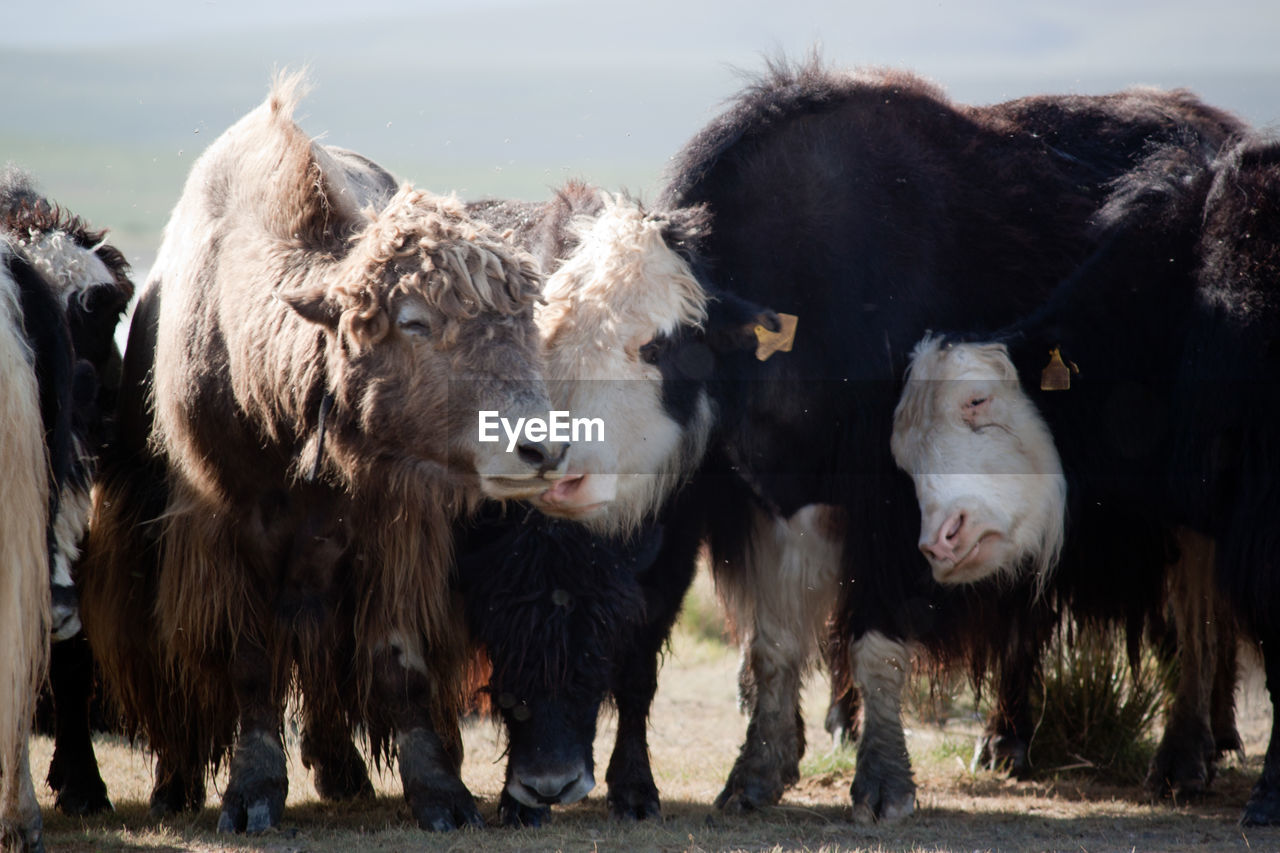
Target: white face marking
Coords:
[(622, 287), (987, 474)]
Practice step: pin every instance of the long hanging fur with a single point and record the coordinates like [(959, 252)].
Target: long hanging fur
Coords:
[(24, 558)]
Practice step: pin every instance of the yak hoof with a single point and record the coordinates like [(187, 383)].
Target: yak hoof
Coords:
[(445, 809), (1001, 754), (27, 837), (82, 803), (515, 814), (254, 799), (1263, 808), (748, 796), (82, 797), (881, 801), (338, 777), (1183, 764), (634, 802), (1228, 742), (240, 815)]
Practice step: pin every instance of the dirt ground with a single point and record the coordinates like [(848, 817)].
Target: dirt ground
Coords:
[(694, 735)]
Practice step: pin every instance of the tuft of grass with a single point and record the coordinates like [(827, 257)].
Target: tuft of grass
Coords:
[(702, 620), (839, 759), (1095, 712)]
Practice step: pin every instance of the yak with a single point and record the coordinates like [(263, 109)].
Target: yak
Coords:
[(1146, 381), (90, 280), (871, 208), (298, 434)]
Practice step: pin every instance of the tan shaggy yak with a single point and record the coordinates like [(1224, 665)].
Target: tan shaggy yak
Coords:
[(298, 431), (24, 572)]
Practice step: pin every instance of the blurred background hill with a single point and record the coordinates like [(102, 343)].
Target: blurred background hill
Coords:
[(108, 104)]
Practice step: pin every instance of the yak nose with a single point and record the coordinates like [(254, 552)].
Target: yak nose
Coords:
[(943, 546), (566, 787), (543, 455)]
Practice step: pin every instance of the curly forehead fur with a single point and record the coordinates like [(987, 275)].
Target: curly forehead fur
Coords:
[(431, 247), (606, 286)]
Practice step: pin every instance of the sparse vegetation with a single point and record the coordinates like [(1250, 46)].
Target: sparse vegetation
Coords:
[(1096, 714)]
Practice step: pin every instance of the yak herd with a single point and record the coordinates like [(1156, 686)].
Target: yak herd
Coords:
[(894, 365)]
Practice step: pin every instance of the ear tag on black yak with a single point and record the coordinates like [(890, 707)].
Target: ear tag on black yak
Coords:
[(1056, 375), (781, 341)]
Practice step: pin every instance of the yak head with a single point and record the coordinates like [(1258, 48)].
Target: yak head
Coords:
[(553, 606), (431, 321), (987, 473), (415, 318), (632, 340)]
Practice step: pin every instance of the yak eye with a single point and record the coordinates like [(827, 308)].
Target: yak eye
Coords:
[(649, 352), (976, 402)]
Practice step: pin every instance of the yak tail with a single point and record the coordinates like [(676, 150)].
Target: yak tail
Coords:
[(24, 554)]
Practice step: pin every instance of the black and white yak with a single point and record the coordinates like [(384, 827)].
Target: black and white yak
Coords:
[(571, 605), (64, 292), (1148, 381), (873, 209)]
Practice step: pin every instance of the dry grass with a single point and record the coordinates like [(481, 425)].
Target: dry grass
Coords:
[(695, 734)]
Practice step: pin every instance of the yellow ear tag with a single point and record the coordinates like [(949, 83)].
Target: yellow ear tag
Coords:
[(1056, 375), (781, 341)]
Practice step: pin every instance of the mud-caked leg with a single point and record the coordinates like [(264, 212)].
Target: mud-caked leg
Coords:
[(780, 602), (882, 785), (258, 782), (430, 758)]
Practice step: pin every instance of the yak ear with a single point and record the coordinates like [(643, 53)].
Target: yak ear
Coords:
[(313, 304), (731, 323), (299, 192)]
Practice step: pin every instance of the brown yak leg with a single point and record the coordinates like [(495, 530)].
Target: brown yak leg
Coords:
[(328, 751), (1183, 763), (429, 758), (782, 607), (259, 782)]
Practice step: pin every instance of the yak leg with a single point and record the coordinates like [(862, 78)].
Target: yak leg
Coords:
[(25, 830), (1222, 709), (73, 772), (258, 783), (1005, 742), (329, 753), (632, 792), (844, 704), (781, 604), (1263, 808), (882, 785), (1183, 763), (430, 760)]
